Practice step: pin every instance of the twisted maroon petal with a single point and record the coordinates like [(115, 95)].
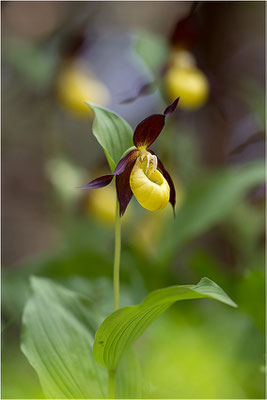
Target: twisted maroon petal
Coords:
[(99, 182), (169, 180), (124, 191), (122, 164), (149, 129), (106, 179)]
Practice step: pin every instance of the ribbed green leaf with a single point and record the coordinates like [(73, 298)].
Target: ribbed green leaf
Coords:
[(120, 329), (113, 133), (57, 338), (129, 382)]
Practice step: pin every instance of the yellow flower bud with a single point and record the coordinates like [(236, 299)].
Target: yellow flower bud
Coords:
[(76, 86), (148, 185), (190, 84)]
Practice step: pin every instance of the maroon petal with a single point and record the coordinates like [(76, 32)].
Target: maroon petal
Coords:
[(169, 180), (186, 32), (106, 179), (149, 129), (172, 107), (122, 164), (99, 182), (124, 191)]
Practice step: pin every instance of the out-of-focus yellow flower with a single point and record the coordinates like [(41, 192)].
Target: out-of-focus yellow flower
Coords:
[(100, 205), (76, 86), (184, 79)]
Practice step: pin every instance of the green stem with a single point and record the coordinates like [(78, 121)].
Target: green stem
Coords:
[(111, 385), (117, 255), (116, 285)]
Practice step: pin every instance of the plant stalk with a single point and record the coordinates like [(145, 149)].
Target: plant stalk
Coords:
[(117, 255)]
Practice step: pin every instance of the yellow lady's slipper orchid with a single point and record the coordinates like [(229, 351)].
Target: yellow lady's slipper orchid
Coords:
[(138, 172)]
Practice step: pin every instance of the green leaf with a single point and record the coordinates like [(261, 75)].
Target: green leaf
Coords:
[(153, 50), (57, 337), (113, 133), (208, 202), (33, 63), (121, 329), (129, 382)]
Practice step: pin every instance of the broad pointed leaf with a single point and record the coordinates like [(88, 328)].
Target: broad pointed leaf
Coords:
[(121, 329), (113, 133), (57, 337)]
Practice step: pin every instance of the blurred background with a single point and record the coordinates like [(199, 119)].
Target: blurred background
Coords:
[(135, 58)]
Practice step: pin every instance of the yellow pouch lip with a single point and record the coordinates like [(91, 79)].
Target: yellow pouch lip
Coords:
[(152, 191), (156, 177)]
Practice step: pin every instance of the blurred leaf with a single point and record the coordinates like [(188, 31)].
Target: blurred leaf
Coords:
[(18, 378), (35, 65), (207, 202), (57, 337), (204, 354), (121, 329), (251, 293), (65, 177), (253, 93), (153, 50), (81, 269), (60, 266), (244, 227), (113, 133)]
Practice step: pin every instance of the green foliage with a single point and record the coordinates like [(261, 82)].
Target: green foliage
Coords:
[(251, 295), (121, 329), (208, 202), (129, 382), (57, 339), (207, 352), (113, 133), (152, 49), (32, 62)]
